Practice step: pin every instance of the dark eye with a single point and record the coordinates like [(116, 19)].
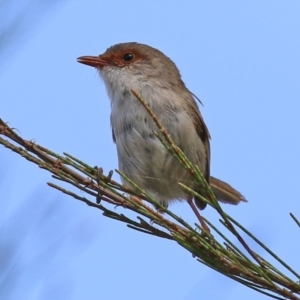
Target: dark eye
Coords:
[(128, 56)]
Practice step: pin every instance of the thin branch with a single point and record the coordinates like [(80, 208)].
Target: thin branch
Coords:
[(225, 257)]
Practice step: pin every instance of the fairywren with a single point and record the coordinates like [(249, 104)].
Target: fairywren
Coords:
[(141, 155)]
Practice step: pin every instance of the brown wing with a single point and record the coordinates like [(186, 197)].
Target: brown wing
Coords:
[(204, 135), (113, 135)]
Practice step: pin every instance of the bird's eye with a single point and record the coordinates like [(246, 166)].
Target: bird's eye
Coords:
[(128, 56)]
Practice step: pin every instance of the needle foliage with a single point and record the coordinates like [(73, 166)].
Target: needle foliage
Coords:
[(210, 245)]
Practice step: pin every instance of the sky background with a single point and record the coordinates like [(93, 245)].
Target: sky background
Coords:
[(241, 58)]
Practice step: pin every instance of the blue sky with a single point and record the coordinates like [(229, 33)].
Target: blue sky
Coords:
[(241, 58)]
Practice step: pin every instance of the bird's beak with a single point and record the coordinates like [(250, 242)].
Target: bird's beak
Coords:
[(94, 61)]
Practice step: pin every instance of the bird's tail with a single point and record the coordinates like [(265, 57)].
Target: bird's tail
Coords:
[(225, 193)]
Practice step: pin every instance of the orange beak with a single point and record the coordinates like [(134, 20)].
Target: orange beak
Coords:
[(93, 61)]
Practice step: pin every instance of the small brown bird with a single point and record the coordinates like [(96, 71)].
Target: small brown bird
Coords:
[(141, 155)]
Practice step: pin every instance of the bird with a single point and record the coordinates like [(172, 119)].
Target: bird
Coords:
[(141, 155)]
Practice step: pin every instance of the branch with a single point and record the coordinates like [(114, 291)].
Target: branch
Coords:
[(238, 262)]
